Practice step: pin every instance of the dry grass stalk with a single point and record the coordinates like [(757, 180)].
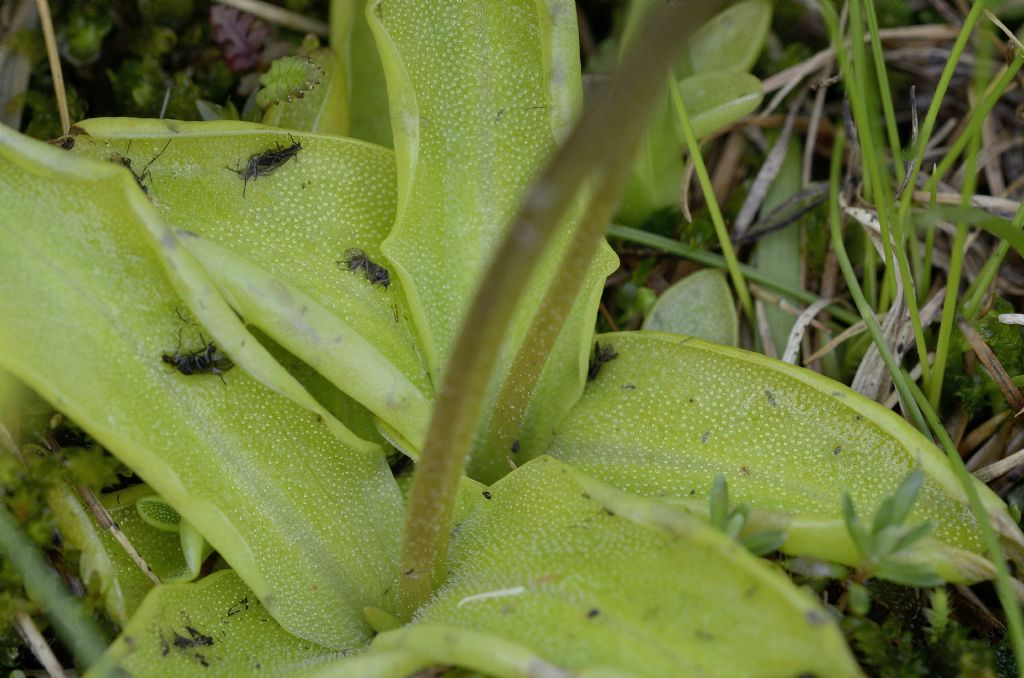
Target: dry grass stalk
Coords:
[(46, 22), (279, 15)]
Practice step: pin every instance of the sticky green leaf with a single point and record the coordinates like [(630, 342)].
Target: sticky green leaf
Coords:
[(162, 551), (731, 41), (335, 195), (317, 99), (671, 413), (350, 213), (586, 576), (309, 522), (194, 548), (495, 111), (368, 94), (657, 171), (716, 91), (410, 650), (214, 627), (159, 514), (384, 664), (512, 86), (95, 566), (699, 305), (323, 340), (104, 566), (714, 100)]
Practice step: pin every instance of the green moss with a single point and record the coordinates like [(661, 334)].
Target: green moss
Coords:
[(902, 644), (82, 31), (42, 110), (974, 389)]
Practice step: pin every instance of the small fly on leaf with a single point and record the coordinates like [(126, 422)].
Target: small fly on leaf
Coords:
[(140, 177), (356, 260), (602, 355), (206, 360), (267, 162)]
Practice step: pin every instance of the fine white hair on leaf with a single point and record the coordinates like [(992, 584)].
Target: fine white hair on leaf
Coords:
[(499, 593)]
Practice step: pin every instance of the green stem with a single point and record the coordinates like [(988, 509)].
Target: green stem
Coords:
[(949, 311), (856, 84), (891, 247), (956, 255), (603, 139), (882, 75), (922, 143), (709, 197), (933, 109), (979, 112), (69, 618), (563, 291), (929, 241), (866, 314), (870, 274)]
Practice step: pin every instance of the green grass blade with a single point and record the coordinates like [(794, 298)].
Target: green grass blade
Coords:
[(925, 419), (724, 241), (718, 261)]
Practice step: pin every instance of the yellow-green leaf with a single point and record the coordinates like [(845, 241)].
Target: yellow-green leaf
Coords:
[(670, 413), (352, 40), (714, 100), (297, 223), (158, 513), (323, 340), (586, 576), (311, 523), (732, 40), (465, 150), (699, 305), (717, 99), (214, 627), (474, 114)]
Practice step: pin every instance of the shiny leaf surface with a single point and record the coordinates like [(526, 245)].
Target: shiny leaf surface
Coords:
[(309, 522), (670, 413)]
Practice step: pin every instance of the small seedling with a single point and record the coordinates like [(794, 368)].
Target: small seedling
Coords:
[(882, 546), (732, 522)]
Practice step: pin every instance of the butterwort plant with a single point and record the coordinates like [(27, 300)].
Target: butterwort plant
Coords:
[(416, 452)]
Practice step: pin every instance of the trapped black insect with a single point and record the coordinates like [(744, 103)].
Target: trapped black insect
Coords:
[(206, 360), (265, 163), (140, 177), (356, 260), (602, 355)]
